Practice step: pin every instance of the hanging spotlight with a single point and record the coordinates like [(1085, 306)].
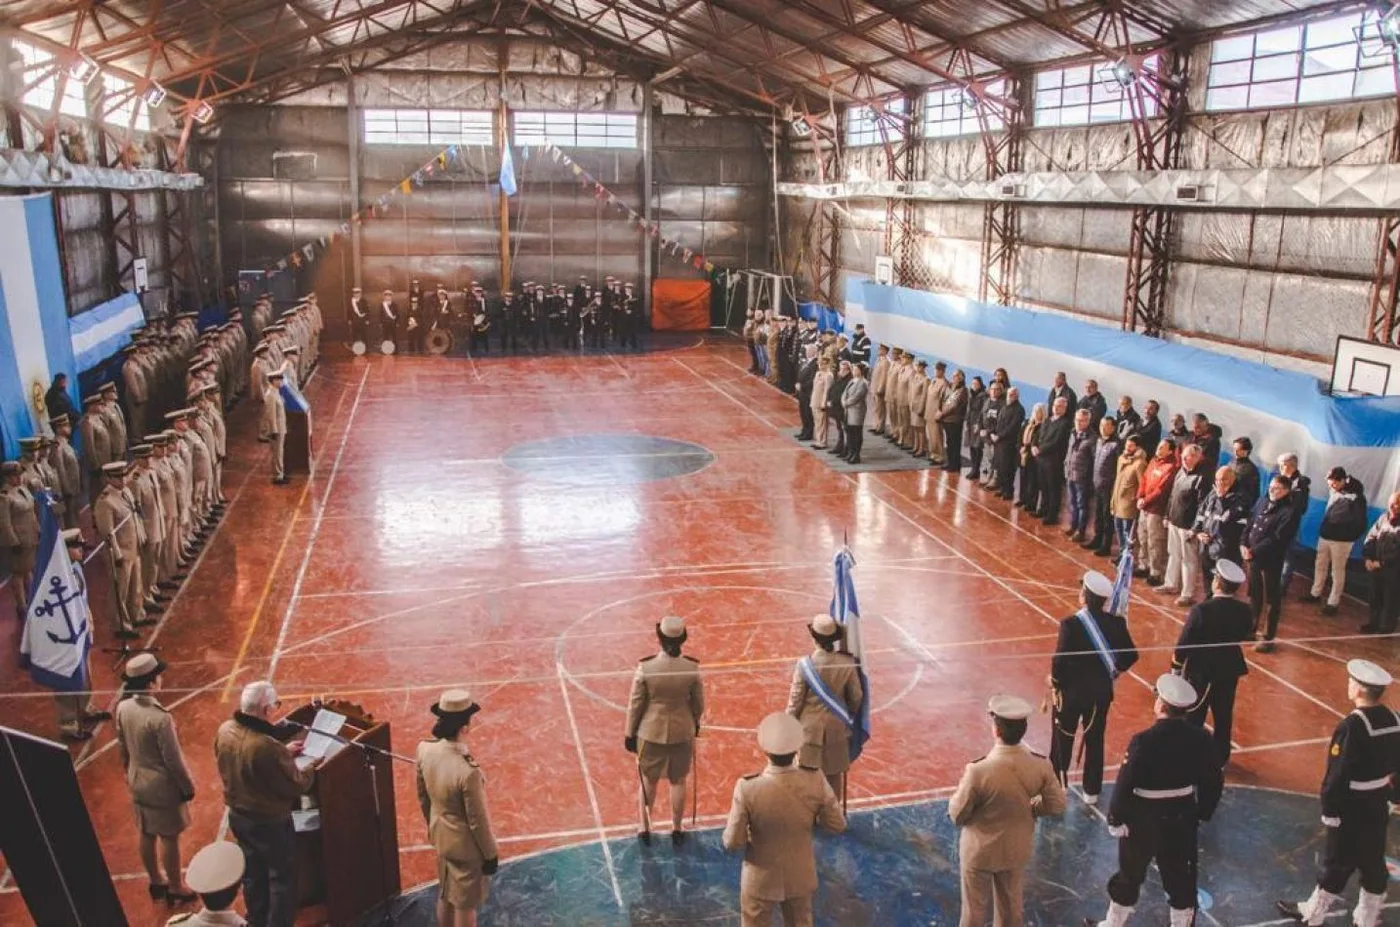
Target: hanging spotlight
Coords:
[(1124, 73), (203, 112), (968, 100), (83, 69), (800, 127), (154, 94)]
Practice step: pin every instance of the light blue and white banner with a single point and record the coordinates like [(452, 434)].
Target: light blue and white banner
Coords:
[(1279, 410), (34, 340), (104, 330)]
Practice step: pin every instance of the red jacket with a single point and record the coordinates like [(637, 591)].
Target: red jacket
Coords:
[(1155, 489)]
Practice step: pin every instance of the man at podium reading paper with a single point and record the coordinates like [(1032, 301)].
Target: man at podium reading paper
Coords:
[(263, 783)]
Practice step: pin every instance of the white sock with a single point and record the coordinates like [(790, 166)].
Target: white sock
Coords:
[(1314, 910), (1368, 910), (1183, 917)]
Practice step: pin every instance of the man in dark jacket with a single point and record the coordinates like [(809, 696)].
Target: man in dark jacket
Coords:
[(1382, 555), (860, 345), (1343, 524), (1094, 649), (1093, 401), (1220, 523), (1266, 542), (972, 435), (1106, 455), (1299, 495), (1207, 436), (1246, 473), (951, 415), (1210, 656), (1049, 455), (1149, 431), (57, 401), (1006, 442), (1129, 421), (1062, 388), (835, 411), (1079, 473), (1189, 489), (991, 411), (806, 375)]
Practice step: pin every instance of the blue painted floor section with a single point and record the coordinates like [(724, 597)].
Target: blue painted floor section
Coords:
[(898, 867)]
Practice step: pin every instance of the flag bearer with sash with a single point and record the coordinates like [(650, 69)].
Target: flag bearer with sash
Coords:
[(826, 697), (1363, 775), (1169, 783), (663, 720), (1093, 649)]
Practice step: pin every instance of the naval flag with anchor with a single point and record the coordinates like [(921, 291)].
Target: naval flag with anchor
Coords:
[(58, 627), (1123, 582)]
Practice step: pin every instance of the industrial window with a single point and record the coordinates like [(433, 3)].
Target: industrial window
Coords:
[(576, 130), (953, 111), (1086, 94), (122, 107), (867, 126), (41, 76), (1338, 58), (428, 127)]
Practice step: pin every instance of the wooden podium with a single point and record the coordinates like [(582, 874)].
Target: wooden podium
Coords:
[(296, 449), (350, 863)]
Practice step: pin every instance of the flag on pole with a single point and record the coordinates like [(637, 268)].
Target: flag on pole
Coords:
[(1122, 584), (847, 614), (507, 171), (57, 631)]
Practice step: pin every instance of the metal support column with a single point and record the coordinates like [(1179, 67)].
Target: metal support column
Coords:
[(1385, 282), (354, 129), (648, 243), (1001, 221), (901, 149)]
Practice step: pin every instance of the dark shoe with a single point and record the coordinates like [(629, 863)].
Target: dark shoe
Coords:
[(145, 622), (282, 482), (836, 450), (1329, 610), (263, 440), (76, 737), (127, 634), (175, 899), (1290, 910), (1309, 597), (158, 892), (1049, 522), (1369, 628), (169, 584), (1154, 582), (1265, 646), (97, 716), (1071, 532), (154, 608), (644, 836), (1077, 537), (817, 447), (853, 460), (1141, 574), (677, 837), (1020, 504), (971, 474), (181, 576)]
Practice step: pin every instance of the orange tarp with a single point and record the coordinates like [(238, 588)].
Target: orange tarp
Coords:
[(680, 305)]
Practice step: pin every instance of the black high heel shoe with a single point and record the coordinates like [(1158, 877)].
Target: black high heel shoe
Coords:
[(158, 892)]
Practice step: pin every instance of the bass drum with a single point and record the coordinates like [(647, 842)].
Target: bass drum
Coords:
[(439, 341), (358, 348), (387, 346)]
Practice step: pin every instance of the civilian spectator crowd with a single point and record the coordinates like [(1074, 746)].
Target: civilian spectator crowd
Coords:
[(1119, 481)]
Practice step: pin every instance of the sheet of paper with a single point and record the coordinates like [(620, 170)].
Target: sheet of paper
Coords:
[(318, 744)]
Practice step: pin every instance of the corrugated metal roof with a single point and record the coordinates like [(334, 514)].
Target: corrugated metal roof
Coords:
[(756, 53)]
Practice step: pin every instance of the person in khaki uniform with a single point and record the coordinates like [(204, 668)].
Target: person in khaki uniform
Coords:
[(168, 488), (75, 710), (262, 784), (156, 776), (663, 720), (177, 458), (826, 739), (116, 425), (211, 408), (257, 381), (19, 531), (215, 873), (120, 526), (274, 422), (771, 819), (452, 795), (878, 377), (938, 389), (36, 475), (918, 397), (137, 390), (201, 468), (64, 461), (145, 489), (996, 806), (97, 443)]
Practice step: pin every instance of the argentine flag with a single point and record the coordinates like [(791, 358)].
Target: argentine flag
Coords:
[(35, 341), (1122, 584), (847, 614), (57, 631), (507, 171)]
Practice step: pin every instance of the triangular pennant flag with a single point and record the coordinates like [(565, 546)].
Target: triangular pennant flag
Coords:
[(442, 158), (709, 268), (576, 169), (685, 255), (309, 250), (406, 186), (295, 258), (280, 265), (698, 262), (554, 153)]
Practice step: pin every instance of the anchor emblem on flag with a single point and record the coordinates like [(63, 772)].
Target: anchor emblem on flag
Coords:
[(59, 603)]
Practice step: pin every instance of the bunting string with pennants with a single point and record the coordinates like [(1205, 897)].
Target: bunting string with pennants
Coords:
[(438, 164), (57, 633)]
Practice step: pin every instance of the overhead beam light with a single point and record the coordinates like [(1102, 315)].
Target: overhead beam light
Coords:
[(1124, 72), (154, 95), (203, 112), (83, 69)]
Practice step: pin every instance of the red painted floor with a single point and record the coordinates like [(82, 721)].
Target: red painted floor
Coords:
[(416, 560)]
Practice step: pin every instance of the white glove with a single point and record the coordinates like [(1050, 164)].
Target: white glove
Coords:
[(1394, 808), (1118, 830), (1331, 822)]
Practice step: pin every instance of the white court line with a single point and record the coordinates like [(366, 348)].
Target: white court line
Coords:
[(588, 784), (315, 530)]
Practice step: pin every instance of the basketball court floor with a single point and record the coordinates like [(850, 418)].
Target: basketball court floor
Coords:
[(517, 526)]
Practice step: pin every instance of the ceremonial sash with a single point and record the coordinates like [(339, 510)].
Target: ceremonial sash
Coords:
[(1099, 641), (828, 698)]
